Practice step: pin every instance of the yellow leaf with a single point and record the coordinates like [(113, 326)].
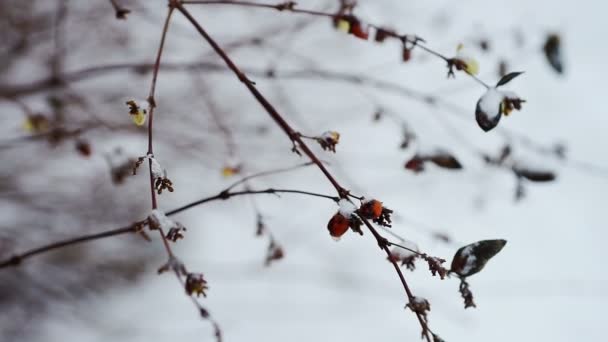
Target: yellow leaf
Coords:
[(343, 25), (28, 125), (229, 171), (472, 66), (139, 118)]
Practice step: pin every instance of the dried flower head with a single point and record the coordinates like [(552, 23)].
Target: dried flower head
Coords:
[(463, 61), (36, 123), (406, 257), (420, 306), (350, 24), (138, 111), (274, 252), (328, 140), (196, 284), (176, 233)]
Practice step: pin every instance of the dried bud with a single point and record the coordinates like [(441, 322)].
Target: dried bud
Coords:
[(83, 147), (406, 257), (360, 31), (138, 112), (463, 61), (229, 171), (328, 140), (472, 258), (420, 306), (382, 34), (176, 233), (196, 284), (406, 54), (36, 123), (466, 294), (274, 253)]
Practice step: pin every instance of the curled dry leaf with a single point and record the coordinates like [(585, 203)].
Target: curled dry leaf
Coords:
[(441, 159), (552, 50), (472, 258), (535, 175), (445, 161)]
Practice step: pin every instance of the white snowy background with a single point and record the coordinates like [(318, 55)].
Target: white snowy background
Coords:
[(545, 285)]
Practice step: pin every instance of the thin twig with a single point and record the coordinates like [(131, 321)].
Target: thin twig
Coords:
[(16, 259)]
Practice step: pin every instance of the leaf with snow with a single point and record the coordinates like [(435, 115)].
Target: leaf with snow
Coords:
[(472, 258), (158, 219), (487, 111)]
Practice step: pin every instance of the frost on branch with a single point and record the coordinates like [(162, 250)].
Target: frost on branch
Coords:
[(161, 182), (406, 257), (158, 220), (420, 306), (494, 103)]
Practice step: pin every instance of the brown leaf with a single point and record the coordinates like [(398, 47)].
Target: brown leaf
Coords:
[(552, 49), (446, 161), (535, 175)]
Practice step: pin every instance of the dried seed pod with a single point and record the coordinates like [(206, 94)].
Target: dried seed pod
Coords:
[(416, 164), (472, 258), (83, 147), (406, 54), (371, 209), (338, 225)]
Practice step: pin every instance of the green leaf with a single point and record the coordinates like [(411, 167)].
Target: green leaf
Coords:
[(508, 78)]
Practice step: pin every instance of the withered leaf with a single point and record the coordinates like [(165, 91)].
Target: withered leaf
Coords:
[(446, 161), (535, 175), (472, 258), (508, 78), (552, 49)]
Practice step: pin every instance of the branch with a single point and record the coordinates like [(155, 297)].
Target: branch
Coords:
[(295, 137), (16, 259)]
